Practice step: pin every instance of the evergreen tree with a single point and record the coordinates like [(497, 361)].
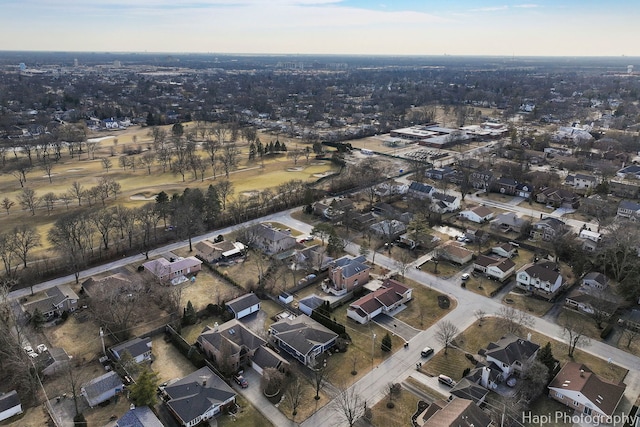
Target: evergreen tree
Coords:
[(545, 356), (276, 146), (37, 319), (143, 391), (213, 206), (151, 121), (189, 316), (386, 343), (252, 151)]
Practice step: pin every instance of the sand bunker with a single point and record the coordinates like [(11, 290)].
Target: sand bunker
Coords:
[(142, 197), (322, 175), (75, 170), (298, 169)]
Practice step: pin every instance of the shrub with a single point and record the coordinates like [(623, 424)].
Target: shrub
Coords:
[(606, 331)]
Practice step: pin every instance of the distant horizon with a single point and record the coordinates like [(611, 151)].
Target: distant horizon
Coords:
[(510, 28), (132, 52)]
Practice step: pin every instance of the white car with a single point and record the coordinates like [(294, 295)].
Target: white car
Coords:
[(465, 276), (41, 348)]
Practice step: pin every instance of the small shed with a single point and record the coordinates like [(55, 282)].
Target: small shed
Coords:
[(10, 405)]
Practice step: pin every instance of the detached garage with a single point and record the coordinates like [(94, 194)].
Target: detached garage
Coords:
[(9, 405), (244, 305)]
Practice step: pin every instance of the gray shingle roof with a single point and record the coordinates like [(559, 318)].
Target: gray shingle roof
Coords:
[(97, 386), (9, 400), (134, 347), (302, 333), (243, 302), (511, 348)]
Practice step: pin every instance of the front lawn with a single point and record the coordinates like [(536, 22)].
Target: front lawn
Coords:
[(405, 404), (535, 306), (423, 310)]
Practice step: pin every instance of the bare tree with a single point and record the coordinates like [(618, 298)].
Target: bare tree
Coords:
[(77, 191), (402, 261), (49, 200), (446, 333), (225, 190), (229, 158), (574, 331), (28, 200), (348, 405), (117, 308), (147, 160), (320, 377), (295, 393), (46, 165), (513, 321), (629, 335), (480, 315), (25, 238), (7, 204), (8, 253)]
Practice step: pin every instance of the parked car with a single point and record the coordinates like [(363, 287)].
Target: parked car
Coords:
[(426, 352), (41, 348), (242, 382), (465, 276), (443, 379)]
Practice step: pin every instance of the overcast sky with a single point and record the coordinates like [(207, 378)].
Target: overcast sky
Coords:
[(389, 27)]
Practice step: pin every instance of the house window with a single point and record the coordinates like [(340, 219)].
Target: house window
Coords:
[(576, 403), (559, 395), (587, 411)]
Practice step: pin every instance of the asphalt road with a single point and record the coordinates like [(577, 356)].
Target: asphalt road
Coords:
[(402, 364)]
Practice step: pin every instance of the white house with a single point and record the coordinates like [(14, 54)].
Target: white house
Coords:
[(198, 397), (138, 348), (478, 214), (506, 250), (10, 405), (539, 277), (583, 391), (244, 305), (595, 280), (389, 296), (102, 388), (511, 353), (496, 268), (445, 202)]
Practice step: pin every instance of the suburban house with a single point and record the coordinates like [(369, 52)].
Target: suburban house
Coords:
[(580, 183), (113, 281), (345, 274), (334, 210), (594, 280), (542, 278), (631, 170), (138, 348), (590, 302), (57, 359), (548, 229), (577, 387), (481, 180), (10, 405), (271, 240), (456, 412), (509, 221), (590, 240), (558, 197), (496, 268), (628, 209), (198, 397), (419, 190), (54, 302), (511, 353), (141, 416), (313, 257), (244, 305), (476, 235), (174, 270), (524, 190), (455, 252), (302, 337), (390, 295), (506, 250), (466, 388), (213, 252), (439, 173), (388, 229), (235, 345), (633, 321), (478, 214), (102, 388), (444, 202), (505, 185), (628, 189)]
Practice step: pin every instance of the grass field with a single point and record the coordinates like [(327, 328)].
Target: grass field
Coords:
[(248, 177)]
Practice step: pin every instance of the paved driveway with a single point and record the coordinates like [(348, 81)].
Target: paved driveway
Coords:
[(396, 326)]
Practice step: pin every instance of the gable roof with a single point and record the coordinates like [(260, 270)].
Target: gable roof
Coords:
[(243, 302), (420, 187), (511, 348), (456, 413), (390, 292), (135, 347), (195, 394), (303, 333), (53, 297), (99, 385), (601, 393), (139, 417), (481, 211), (468, 389), (629, 205), (350, 266), (9, 400), (544, 272), (233, 332), (162, 267)]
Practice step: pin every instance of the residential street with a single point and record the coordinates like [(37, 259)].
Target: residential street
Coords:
[(402, 364)]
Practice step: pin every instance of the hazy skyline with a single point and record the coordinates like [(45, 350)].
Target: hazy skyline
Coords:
[(397, 27)]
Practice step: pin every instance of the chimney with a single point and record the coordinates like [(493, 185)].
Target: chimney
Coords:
[(529, 336), (484, 380), (582, 372)]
